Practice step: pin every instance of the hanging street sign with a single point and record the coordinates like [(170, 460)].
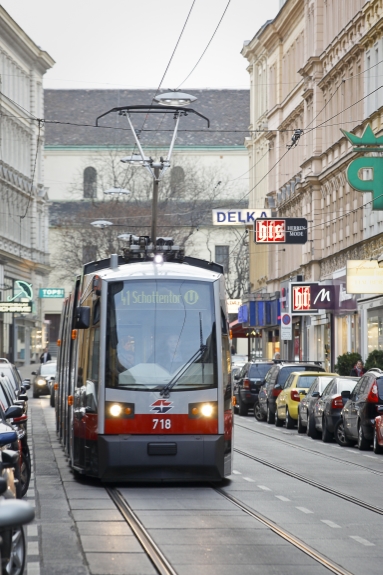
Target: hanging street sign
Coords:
[(226, 217), (286, 327), (280, 231), (16, 307), (365, 174), (22, 290), (51, 292)]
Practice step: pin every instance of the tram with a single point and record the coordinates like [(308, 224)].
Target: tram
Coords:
[(143, 389)]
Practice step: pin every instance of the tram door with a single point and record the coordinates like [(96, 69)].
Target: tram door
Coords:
[(85, 398)]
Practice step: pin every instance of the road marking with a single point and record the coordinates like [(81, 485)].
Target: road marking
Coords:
[(282, 498), (264, 488), (304, 510), (33, 548), (331, 523), (371, 456), (33, 568), (362, 541), (32, 531), (249, 479), (236, 472)]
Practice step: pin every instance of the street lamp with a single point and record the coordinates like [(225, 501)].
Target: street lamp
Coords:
[(101, 224), (168, 103)]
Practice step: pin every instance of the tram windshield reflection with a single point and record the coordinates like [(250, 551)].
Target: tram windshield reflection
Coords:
[(160, 331)]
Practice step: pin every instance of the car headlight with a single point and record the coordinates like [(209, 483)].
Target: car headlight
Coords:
[(41, 382)]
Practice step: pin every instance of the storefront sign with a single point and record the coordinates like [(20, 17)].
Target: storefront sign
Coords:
[(280, 231), (364, 276), (224, 217), (323, 296), (51, 292), (301, 301), (365, 174), (16, 307), (233, 305), (22, 290), (286, 327)]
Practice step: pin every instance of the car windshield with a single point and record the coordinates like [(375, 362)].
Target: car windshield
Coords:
[(48, 369), (379, 381), (285, 372), (160, 332), (305, 381), (259, 370), (345, 385)]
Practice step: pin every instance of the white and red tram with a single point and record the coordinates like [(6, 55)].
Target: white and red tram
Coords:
[(144, 389)]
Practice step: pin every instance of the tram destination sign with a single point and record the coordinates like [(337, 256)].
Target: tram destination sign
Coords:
[(280, 231), (16, 307)]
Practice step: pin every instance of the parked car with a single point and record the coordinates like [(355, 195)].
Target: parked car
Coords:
[(307, 403), (357, 423), (9, 370), (44, 376), (259, 412), (247, 384), (293, 390), (327, 409), (276, 378)]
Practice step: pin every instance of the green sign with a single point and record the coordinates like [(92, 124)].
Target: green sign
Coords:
[(51, 292), (21, 290), (365, 174), (16, 307)]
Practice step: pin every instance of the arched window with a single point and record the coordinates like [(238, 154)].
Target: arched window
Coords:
[(177, 178), (90, 182)]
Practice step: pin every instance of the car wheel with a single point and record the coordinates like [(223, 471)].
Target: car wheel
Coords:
[(326, 434), (311, 429), (16, 563), (377, 448), (35, 394), (278, 422), (258, 414), (243, 409), (363, 442), (270, 418), (290, 422), (340, 436), (301, 428), (23, 475)]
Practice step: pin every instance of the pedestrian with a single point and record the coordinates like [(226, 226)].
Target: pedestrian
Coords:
[(45, 356), (358, 370), (277, 355)]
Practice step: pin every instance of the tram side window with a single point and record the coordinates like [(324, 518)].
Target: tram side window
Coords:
[(93, 369)]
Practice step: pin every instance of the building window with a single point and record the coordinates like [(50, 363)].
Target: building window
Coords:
[(90, 182), (89, 254), (222, 257)]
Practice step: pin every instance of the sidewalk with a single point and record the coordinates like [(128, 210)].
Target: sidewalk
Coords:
[(53, 542)]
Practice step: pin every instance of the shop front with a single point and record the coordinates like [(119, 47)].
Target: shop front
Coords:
[(260, 317), (371, 312)]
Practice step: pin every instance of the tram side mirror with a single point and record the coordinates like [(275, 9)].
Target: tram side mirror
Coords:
[(82, 317)]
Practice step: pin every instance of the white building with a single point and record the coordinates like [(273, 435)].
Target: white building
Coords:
[(23, 213)]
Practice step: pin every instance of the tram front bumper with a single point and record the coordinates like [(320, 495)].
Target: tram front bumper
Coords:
[(161, 458)]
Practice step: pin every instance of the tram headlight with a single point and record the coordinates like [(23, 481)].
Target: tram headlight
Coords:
[(115, 410), (205, 409)]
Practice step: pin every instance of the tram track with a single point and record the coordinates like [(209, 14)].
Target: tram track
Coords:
[(312, 451), (312, 482), (295, 541), (154, 553)]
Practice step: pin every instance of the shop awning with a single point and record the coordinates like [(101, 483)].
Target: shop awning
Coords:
[(237, 330)]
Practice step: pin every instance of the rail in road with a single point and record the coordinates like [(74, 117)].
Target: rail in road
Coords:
[(312, 451)]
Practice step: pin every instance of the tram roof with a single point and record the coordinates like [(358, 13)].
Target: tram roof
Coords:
[(191, 268)]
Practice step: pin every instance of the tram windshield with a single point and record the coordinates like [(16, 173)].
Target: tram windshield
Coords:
[(160, 332)]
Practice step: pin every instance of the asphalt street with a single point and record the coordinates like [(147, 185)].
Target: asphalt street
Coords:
[(78, 529)]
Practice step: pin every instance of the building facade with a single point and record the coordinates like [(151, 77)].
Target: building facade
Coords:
[(24, 214), (323, 61)]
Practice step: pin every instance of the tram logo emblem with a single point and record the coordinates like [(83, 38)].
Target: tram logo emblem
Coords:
[(161, 406), (191, 297)]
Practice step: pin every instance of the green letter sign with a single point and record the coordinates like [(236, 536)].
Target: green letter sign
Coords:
[(365, 174)]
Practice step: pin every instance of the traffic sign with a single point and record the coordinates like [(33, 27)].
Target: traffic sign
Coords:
[(280, 231), (286, 326), (51, 292)]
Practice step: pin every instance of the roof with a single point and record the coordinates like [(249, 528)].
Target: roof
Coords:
[(226, 110)]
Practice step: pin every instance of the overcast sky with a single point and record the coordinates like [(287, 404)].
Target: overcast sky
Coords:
[(128, 43)]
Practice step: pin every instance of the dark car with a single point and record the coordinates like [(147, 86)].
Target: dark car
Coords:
[(307, 403), (327, 410), (43, 378), (276, 378), (247, 384), (10, 371), (358, 415)]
